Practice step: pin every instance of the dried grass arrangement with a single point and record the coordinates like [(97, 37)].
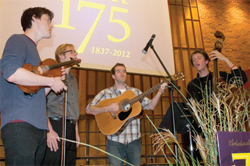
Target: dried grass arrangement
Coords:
[(226, 111)]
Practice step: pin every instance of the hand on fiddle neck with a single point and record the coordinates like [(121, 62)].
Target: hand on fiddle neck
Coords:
[(58, 85)]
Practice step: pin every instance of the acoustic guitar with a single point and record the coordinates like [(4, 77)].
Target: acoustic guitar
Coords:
[(111, 123)]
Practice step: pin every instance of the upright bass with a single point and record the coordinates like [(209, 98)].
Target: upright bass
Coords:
[(217, 46)]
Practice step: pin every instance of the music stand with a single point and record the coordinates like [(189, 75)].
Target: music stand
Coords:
[(182, 122)]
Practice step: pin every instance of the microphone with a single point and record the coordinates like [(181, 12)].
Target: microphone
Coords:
[(145, 50)]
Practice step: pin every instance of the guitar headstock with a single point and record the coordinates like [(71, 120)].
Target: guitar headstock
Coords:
[(175, 77), (178, 76)]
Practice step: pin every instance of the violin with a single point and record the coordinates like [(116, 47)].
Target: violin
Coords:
[(49, 68), (217, 46)]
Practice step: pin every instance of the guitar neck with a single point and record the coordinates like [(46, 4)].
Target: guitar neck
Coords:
[(144, 94)]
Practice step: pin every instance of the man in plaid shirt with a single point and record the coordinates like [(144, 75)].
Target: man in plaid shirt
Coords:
[(127, 144)]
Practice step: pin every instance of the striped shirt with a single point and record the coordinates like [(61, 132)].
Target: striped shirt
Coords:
[(132, 131)]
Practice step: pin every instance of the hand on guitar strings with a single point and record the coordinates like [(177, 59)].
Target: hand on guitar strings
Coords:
[(113, 107)]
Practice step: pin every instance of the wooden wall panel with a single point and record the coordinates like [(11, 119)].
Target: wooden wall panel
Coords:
[(100, 84), (137, 81), (82, 90)]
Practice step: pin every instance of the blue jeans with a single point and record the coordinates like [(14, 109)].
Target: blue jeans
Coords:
[(131, 151), (23, 144)]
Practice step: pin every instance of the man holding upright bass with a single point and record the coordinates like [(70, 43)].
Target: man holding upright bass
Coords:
[(204, 80)]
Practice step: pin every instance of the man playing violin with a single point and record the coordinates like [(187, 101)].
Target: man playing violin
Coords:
[(200, 60), (127, 144), (64, 53), (23, 116)]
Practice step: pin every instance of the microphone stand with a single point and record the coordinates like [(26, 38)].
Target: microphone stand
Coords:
[(171, 89), (172, 86), (175, 86)]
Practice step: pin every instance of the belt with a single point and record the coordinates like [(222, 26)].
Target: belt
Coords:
[(72, 121)]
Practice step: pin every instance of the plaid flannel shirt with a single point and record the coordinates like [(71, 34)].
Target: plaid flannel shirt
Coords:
[(132, 131)]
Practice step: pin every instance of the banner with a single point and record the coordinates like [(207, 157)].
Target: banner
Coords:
[(104, 32), (234, 148)]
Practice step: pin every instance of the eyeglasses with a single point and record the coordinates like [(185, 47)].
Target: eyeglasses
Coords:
[(71, 51)]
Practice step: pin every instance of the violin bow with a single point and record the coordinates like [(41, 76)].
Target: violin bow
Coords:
[(64, 127)]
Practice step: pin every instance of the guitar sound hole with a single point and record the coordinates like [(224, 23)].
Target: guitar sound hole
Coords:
[(124, 115), (125, 106)]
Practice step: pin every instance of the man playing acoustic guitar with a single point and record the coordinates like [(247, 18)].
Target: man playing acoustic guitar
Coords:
[(126, 142)]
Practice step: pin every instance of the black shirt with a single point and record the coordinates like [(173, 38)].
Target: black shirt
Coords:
[(200, 87)]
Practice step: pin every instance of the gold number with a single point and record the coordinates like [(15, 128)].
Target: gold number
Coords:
[(106, 51), (123, 1), (124, 24), (102, 51), (65, 16), (101, 7), (95, 6), (240, 156), (128, 54)]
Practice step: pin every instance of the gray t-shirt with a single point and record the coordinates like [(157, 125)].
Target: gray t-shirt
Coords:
[(55, 101)]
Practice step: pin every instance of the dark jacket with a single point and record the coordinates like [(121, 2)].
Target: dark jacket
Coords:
[(196, 87)]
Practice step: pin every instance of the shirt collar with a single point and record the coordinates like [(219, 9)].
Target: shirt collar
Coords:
[(210, 74), (30, 39), (116, 90)]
